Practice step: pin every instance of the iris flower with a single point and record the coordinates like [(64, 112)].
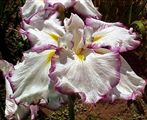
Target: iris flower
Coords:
[(71, 56), (74, 59)]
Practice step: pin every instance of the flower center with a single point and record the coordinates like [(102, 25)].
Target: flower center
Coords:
[(54, 36), (97, 38), (81, 57), (50, 55)]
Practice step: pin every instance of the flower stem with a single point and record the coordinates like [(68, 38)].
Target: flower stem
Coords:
[(71, 111)]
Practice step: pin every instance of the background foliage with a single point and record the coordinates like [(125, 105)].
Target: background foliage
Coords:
[(132, 13)]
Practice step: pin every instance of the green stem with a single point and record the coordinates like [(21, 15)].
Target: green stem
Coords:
[(71, 111)]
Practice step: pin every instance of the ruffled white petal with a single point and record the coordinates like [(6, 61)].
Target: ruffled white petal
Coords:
[(99, 25), (30, 78), (86, 8), (130, 85), (38, 38), (43, 32), (32, 6), (12, 110), (53, 25), (31, 82), (115, 37), (46, 22), (92, 78)]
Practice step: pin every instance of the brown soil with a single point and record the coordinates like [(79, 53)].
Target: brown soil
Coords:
[(118, 110)]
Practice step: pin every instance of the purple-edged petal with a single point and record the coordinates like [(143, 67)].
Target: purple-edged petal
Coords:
[(39, 38), (48, 22), (86, 8), (99, 25), (130, 85), (12, 110), (90, 77), (30, 78), (31, 82), (43, 32), (115, 37)]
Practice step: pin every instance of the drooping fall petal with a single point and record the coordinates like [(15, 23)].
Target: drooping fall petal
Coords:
[(44, 31), (12, 110), (30, 78), (130, 85), (99, 25), (115, 37), (87, 76)]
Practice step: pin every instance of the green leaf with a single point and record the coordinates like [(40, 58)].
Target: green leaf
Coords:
[(139, 25)]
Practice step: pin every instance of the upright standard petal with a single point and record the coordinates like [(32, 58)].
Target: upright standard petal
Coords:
[(115, 37), (86, 8), (31, 83), (87, 76), (53, 25), (73, 23)]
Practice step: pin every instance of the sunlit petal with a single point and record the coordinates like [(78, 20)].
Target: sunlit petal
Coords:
[(87, 76), (130, 85), (30, 78), (73, 23), (53, 25), (12, 110), (115, 37), (86, 8), (32, 6), (43, 32), (99, 25), (38, 38)]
